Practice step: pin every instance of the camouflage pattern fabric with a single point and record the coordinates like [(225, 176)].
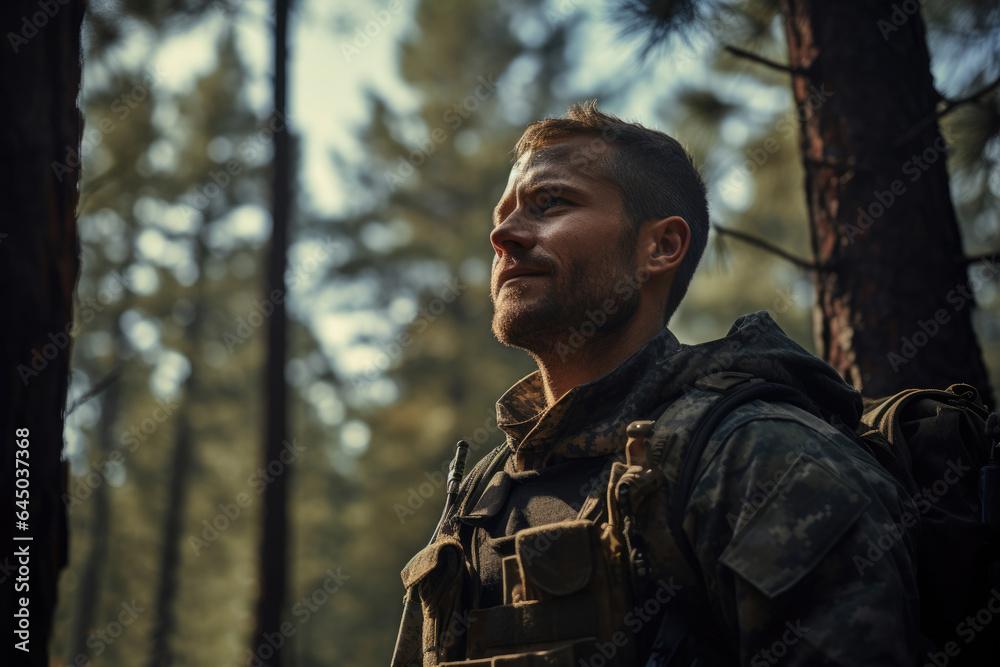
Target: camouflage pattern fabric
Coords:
[(796, 528)]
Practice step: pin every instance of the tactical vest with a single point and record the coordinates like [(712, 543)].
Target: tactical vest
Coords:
[(569, 589), (578, 591)]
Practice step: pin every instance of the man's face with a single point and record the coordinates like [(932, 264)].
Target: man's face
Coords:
[(563, 244)]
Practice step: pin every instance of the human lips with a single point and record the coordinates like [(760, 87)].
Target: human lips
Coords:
[(517, 271)]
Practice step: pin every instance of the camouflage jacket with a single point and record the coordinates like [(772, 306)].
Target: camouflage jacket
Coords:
[(797, 530)]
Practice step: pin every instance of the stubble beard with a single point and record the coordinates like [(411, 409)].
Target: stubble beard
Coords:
[(544, 325)]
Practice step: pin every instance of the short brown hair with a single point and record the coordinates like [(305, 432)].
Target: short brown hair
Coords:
[(653, 173)]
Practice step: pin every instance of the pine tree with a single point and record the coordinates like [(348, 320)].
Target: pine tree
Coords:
[(894, 303)]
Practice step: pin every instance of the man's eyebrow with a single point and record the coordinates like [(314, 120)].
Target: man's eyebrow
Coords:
[(557, 187), (552, 185)]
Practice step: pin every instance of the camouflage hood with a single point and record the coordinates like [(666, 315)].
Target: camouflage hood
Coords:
[(590, 420)]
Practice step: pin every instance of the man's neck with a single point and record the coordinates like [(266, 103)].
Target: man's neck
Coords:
[(567, 367)]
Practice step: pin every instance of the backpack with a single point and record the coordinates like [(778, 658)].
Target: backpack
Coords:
[(938, 446)]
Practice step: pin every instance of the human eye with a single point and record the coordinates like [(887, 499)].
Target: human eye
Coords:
[(551, 202), (546, 200)]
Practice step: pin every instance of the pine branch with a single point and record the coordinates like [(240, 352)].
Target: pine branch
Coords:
[(950, 105), (761, 60), (766, 245), (98, 388), (990, 257), (92, 186)]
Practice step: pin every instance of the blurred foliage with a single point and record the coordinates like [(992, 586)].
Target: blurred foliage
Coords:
[(391, 356)]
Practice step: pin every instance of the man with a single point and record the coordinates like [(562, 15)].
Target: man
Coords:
[(546, 559)]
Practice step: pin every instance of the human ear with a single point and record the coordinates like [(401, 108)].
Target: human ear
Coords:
[(669, 239)]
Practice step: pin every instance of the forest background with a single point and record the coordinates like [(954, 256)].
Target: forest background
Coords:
[(401, 119)]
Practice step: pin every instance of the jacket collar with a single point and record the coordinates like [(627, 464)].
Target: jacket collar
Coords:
[(588, 420)]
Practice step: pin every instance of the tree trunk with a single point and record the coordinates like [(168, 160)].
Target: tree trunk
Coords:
[(274, 537), (894, 301), (165, 620), (88, 590), (39, 266)]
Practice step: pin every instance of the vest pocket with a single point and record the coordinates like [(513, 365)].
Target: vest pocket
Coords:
[(566, 598), (438, 575), (555, 560)]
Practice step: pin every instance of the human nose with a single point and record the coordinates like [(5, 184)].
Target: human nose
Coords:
[(513, 233)]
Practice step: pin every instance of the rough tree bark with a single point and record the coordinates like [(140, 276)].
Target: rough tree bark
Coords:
[(894, 301), (39, 265)]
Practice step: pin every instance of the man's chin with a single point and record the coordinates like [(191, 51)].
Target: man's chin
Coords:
[(524, 332)]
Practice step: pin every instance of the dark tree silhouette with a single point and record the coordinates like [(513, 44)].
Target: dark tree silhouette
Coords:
[(165, 623), (892, 270), (274, 537), (92, 576), (39, 265)]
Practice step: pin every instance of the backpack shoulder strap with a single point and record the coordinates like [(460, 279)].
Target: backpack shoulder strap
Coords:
[(692, 420), (683, 428)]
